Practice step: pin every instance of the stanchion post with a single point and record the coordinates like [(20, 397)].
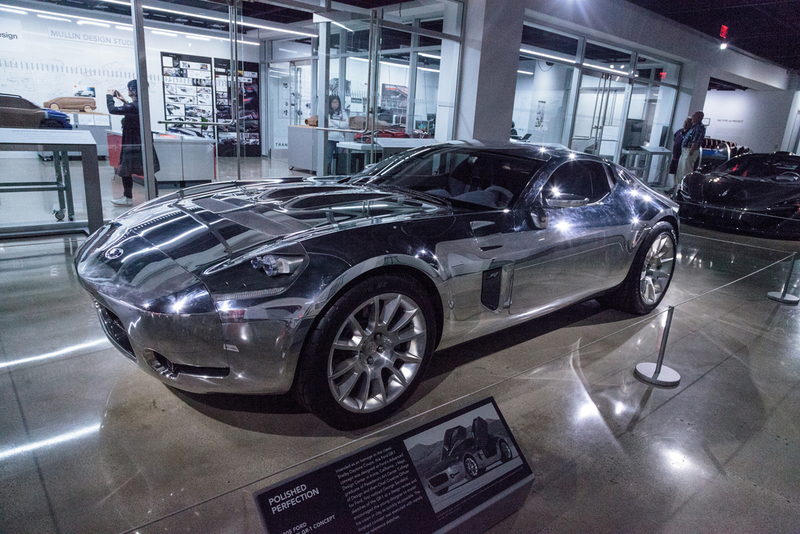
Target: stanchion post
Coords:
[(659, 374), (782, 297)]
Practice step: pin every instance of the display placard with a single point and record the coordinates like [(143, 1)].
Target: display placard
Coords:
[(430, 479)]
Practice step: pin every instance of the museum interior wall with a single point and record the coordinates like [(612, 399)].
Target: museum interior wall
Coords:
[(629, 25), (748, 118)]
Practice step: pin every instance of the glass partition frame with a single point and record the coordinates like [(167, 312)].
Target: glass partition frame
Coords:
[(633, 68)]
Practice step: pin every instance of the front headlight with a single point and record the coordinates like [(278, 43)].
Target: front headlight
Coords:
[(277, 265), (261, 273)]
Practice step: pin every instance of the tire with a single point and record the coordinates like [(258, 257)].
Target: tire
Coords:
[(87, 108), (650, 274), (50, 123), (505, 451), (368, 352), (471, 467), (54, 106)]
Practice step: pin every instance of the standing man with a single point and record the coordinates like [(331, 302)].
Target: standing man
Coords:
[(692, 141)]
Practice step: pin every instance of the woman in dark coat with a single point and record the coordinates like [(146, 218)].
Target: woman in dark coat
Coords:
[(130, 160)]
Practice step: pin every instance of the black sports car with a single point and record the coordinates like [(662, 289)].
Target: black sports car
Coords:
[(340, 289), (752, 194)]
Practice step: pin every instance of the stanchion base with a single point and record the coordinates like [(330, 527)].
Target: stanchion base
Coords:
[(791, 300), (666, 378)]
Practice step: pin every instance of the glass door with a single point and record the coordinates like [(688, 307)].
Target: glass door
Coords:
[(279, 83), (300, 91), (600, 112)]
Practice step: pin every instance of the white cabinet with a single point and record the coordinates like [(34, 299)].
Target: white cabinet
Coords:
[(302, 148)]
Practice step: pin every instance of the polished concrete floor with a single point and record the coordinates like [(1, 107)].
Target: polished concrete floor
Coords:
[(89, 443)]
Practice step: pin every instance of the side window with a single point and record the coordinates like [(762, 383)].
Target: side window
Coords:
[(581, 182), (488, 179)]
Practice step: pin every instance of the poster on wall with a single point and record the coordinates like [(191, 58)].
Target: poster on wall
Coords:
[(249, 123), (188, 94)]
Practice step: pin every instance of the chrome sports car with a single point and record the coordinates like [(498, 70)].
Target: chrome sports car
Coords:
[(756, 194), (341, 288)]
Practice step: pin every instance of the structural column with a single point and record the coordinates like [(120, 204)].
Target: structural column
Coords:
[(492, 39)]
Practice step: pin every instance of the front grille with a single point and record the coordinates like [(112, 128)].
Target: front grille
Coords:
[(438, 480), (115, 330)]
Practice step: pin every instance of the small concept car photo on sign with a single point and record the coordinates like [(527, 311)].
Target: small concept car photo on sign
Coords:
[(466, 454), (339, 289), (754, 194)]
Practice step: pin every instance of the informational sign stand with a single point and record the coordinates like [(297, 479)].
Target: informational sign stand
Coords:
[(461, 473)]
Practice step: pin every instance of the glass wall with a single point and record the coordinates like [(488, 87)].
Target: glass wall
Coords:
[(200, 96), (57, 66), (596, 98), (400, 80)]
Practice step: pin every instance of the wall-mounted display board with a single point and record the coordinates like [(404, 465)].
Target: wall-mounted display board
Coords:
[(249, 123), (188, 93), (463, 472)]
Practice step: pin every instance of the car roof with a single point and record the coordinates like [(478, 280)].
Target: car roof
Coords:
[(540, 151)]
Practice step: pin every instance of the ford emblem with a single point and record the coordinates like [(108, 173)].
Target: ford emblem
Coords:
[(114, 253)]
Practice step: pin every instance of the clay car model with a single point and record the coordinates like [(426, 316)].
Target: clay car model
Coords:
[(466, 454), (339, 289), (72, 103), (16, 112), (755, 194)]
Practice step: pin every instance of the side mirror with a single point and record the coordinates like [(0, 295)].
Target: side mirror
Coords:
[(539, 216)]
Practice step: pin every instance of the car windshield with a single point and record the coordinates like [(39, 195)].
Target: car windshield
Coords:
[(760, 166), (487, 178)]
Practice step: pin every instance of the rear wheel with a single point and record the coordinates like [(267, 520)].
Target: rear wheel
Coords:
[(505, 451), (650, 273), (367, 354)]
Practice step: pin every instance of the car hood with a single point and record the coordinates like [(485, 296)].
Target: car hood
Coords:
[(204, 229), (737, 192)]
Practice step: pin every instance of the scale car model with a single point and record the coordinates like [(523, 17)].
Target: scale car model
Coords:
[(16, 112), (73, 103), (467, 454), (755, 194), (340, 289)]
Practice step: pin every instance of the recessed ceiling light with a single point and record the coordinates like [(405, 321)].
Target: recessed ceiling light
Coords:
[(93, 23), (17, 11)]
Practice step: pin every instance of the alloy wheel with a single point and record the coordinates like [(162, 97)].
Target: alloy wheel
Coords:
[(377, 352), (657, 269)]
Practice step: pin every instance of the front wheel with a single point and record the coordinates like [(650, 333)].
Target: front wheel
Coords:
[(367, 354), (471, 467), (649, 275)]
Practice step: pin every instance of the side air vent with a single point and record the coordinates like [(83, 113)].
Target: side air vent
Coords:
[(490, 290)]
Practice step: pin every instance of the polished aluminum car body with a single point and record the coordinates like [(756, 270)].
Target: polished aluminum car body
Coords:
[(222, 287)]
